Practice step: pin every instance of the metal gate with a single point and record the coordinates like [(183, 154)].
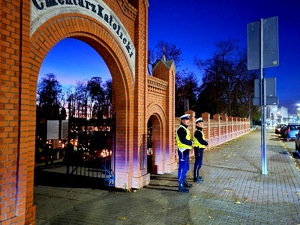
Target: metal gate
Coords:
[(91, 150)]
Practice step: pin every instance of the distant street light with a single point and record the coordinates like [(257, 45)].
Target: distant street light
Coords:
[(298, 112)]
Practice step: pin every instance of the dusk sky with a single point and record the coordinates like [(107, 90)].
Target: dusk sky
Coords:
[(195, 26)]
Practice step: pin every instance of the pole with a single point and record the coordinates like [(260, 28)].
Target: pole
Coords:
[(263, 103)]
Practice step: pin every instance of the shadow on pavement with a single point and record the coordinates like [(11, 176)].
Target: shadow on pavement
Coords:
[(54, 179)]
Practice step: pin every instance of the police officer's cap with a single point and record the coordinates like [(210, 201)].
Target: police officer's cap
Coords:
[(185, 117), (199, 120)]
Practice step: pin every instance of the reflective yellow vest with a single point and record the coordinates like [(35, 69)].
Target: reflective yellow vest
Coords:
[(196, 142), (188, 137)]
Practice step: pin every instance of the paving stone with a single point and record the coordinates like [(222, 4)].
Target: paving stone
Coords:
[(233, 192)]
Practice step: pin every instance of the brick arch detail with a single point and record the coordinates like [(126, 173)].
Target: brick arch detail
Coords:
[(81, 27), (153, 109), (97, 36), (156, 110), (158, 136)]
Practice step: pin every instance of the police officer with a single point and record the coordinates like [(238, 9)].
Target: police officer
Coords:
[(199, 145), (184, 144)]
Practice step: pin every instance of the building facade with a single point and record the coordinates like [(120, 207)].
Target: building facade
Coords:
[(118, 31)]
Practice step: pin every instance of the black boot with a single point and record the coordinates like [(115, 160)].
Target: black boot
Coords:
[(186, 184), (182, 188), (198, 179)]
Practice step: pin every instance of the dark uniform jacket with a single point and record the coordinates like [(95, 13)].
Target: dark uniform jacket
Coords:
[(199, 136), (182, 135)]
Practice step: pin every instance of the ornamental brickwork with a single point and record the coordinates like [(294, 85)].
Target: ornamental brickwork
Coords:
[(118, 31)]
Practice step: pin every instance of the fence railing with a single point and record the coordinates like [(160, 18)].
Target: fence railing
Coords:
[(218, 129)]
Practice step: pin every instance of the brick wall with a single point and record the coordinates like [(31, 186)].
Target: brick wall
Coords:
[(17, 133), (22, 53), (138, 98)]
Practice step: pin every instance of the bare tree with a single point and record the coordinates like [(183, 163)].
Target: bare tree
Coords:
[(97, 95), (81, 99), (186, 91), (227, 86), (108, 98), (169, 50), (48, 97)]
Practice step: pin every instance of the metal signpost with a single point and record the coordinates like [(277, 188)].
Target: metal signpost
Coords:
[(262, 52)]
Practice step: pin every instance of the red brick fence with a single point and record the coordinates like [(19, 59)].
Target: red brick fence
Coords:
[(219, 129)]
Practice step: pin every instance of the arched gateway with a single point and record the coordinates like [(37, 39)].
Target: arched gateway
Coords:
[(118, 31)]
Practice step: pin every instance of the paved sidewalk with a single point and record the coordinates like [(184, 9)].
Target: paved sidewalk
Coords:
[(233, 192)]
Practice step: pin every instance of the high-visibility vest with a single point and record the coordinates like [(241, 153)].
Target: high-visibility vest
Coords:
[(188, 137), (196, 142)]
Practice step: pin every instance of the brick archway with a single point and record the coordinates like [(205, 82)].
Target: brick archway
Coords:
[(24, 48), (103, 42), (157, 144), (93, 33), (157, 118)]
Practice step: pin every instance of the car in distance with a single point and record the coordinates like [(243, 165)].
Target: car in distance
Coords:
[(290, 131), (278, 128), (297, 145)]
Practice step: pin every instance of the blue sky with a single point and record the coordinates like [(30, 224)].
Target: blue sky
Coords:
[(72, 60), (195, 26)]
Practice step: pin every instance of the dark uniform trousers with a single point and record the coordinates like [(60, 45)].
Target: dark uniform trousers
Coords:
[(184, 165), (198, 161)]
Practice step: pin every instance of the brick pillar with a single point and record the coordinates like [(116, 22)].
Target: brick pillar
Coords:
[(248, 124), (235, 130), (170, 162), (230, 125), (191, 126), (192, 122), (140, 177), (216, 117), (17, 130), (239, 122), (206, 118), (224, 118), (167, 73)]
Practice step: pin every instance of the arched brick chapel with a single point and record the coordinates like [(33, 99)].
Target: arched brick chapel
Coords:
[(118, 31)]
